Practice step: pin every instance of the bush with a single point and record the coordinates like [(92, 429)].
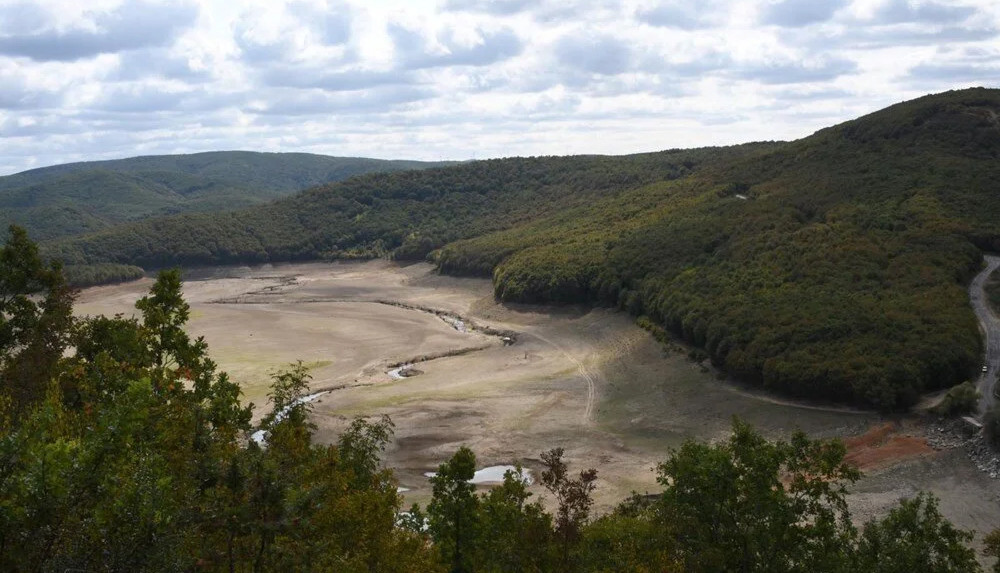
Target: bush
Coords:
[(960, 400)]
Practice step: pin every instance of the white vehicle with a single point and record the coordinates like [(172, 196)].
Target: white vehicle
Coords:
[(985, 368)]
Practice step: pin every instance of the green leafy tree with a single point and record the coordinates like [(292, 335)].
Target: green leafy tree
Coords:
[(574, 498), (630, 538), (453, 511), (35, 319), (748, 504), (147, 467), (515, 534), (164, 314), (915, 537)]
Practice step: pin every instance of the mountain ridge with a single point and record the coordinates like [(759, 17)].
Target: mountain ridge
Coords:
[(82, 197)]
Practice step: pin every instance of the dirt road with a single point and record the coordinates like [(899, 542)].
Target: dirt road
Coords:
[(991, 333)]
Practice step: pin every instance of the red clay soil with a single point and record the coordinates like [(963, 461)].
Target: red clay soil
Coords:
[(884, 445)]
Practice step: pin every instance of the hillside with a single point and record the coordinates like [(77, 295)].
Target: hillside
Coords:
[(84, 197), (407, 214), (830, 267)]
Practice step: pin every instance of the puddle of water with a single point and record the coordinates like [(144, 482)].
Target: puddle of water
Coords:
[(260, 436), (402, 489), (456, 323), (399, 372), (494, 474)]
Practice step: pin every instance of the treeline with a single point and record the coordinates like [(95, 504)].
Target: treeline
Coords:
[(133, 453), (405, 214), (76, 198), (81, 276)]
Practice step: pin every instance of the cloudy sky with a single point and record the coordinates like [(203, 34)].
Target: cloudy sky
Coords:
[(460, 79)]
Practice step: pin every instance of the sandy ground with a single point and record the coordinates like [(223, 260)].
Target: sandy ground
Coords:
[(586, 380)]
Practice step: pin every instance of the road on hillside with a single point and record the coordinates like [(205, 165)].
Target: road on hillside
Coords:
[(990, 325)]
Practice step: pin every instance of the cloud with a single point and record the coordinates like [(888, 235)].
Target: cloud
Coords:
[(415, 52), (957, 66), (15, 94), (681, 15), (131, 26), (906, 11), (138, 64), (600, 54), (331, 24), (798, 13), (423, 79), (280, 33), (348, 80), (794, 72), (23, 17), (876, 37), (495, 7), (962, 72), (378, 100)]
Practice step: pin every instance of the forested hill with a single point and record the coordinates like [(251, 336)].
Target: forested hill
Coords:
[(831, 267), (84, 197), (407, 214)]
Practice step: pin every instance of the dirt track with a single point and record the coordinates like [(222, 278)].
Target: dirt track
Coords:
[(990, 326)]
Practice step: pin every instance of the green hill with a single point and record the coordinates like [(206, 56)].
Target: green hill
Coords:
[(831, 267), (85, 197)]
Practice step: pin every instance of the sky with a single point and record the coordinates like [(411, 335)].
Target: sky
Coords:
[(465, 79)]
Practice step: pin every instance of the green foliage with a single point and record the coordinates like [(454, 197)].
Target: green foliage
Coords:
[(453, 512), (81, 276), (573, 498), (35, 319), (915, 537), (85, 197), (748, 504), (959, 401), (514, 534), (632, 538), (138, 458), (382, 213)]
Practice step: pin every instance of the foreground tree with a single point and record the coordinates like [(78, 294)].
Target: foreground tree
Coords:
[(138, 458), (748, 504), (915, 537), (453, 511), (515, 534), (35, 320), (574, 498)]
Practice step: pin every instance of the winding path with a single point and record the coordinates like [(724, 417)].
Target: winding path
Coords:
[(990, 325)]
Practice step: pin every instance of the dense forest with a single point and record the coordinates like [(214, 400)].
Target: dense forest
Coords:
[(830, 268), (76, 198), (123, 449)]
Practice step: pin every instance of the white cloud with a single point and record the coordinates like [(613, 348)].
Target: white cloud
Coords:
[(432, 79)]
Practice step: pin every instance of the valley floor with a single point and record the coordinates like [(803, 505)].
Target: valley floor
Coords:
[(587, 380)]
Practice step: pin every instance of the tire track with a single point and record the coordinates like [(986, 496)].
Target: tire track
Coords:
[(588, 410)]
